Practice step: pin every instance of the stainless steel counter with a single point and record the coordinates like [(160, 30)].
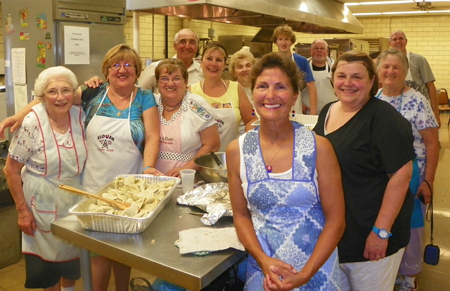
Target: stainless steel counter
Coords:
[(152, 251)]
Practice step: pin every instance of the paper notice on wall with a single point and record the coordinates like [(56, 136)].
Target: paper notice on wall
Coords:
[(20, 97), (76, 45), (18, 56)]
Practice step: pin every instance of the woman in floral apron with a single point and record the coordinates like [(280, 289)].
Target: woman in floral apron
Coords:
[(286, 191)]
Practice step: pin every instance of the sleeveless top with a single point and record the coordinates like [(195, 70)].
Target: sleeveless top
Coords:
[(286, 213)]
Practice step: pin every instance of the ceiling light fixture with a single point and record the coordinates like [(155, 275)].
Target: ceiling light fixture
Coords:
[(398, 13), (439, 11), (379, 3), (405, 12), (389, 2)]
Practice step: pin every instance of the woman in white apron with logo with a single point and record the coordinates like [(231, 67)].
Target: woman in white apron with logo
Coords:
[(112, 151), (49, 149), (227, 98), (118, 145)]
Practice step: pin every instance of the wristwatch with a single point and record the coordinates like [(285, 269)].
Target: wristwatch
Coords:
[(381, 232)]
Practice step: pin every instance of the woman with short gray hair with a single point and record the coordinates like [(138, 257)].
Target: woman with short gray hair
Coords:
[(48, 149), (393, 67)]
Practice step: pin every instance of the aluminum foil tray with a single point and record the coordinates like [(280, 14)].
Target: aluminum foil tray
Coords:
[(115, 223)]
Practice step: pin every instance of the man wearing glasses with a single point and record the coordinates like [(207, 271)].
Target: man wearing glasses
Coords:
[(320, 64)]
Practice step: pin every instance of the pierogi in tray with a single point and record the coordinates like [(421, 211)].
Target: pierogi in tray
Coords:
[(147, 193), (142, 195)]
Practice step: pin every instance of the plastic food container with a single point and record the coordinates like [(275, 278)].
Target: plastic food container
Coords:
[(115, 223)]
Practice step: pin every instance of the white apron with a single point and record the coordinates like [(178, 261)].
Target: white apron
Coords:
[(46, 201), (112, 151), (325, 91), (226, 123)]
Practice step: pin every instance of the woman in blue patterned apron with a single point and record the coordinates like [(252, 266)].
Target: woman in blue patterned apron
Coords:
[(188, 128), (285, 189), (49, 149), (392, 70)]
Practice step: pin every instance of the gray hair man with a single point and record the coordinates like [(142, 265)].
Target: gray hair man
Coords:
[(420, 76), (186, 44), (320, 64)]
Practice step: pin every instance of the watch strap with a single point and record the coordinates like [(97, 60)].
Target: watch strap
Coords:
[(377, 231)]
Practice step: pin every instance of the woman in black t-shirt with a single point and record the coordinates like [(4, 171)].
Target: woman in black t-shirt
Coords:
[(373, 143)]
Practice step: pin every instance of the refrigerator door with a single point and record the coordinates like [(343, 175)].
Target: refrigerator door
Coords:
[(102, 37)]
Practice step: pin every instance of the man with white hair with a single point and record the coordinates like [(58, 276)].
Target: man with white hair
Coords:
[(420, 76), (320, 64), (186, 44)]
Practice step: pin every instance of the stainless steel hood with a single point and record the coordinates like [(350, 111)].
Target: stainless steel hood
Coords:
[(309, 16)]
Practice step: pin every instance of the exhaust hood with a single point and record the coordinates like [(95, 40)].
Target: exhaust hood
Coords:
[(308, 16)]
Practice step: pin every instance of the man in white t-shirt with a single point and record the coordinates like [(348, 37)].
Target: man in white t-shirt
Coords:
[(186, 45)]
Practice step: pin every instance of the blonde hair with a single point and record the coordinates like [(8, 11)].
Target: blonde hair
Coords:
[(119, 53), (215, 45), (239, 56)]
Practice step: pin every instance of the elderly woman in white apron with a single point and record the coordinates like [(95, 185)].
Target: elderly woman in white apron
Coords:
[(122, 135), (227, 98), (48, 150), (188, 129)]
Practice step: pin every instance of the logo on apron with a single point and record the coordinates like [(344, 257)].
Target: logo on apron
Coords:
[(105, 141)]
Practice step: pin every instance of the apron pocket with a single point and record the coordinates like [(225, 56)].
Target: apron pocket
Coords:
[(44, 214)]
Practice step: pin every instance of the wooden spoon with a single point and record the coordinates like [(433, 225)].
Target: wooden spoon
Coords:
[(118, 204)]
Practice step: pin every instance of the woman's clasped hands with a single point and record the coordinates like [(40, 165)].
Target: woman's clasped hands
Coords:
[(280, 276)]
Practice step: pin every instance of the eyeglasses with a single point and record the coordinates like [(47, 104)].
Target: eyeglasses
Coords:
[(116, 67), (166, 80), (54, 93)]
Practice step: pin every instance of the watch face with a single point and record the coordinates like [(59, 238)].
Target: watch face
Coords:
[(383, 233)]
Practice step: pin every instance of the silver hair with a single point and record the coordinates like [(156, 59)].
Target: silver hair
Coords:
[(175, 38), (52, 73), (393, 52), (319, 39), (395, 32)]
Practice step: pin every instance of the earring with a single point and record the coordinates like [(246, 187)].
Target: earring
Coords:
[(137, 82), (253, 112), (293, 112)]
